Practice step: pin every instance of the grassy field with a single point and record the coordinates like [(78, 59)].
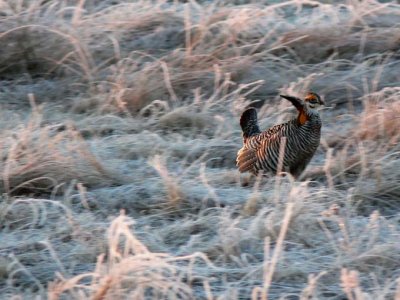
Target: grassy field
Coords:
[(119, 132)]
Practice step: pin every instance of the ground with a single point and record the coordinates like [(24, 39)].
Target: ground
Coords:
[(119, 132)]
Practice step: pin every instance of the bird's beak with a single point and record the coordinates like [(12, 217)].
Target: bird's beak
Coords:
[(322, 102)]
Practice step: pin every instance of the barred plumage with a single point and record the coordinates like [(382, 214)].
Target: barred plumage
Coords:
[(299, 139)]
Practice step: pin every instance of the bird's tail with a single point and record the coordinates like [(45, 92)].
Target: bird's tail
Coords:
[(249, 123)]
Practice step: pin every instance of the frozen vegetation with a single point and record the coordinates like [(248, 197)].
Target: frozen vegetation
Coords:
[(119, 132)]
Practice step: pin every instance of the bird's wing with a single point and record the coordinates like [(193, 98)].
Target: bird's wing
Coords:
[(246, 160), (249, 154)]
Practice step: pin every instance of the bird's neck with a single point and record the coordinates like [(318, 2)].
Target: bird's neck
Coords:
[(306, 115)]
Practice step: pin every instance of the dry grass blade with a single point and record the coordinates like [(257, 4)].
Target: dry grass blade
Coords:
[(110, 106), (131, 269)]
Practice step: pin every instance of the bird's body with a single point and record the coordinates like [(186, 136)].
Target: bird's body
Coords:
[(286, 147)]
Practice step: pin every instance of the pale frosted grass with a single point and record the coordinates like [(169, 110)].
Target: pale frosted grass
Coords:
[(156, 102), (42, 158), (130, 269)]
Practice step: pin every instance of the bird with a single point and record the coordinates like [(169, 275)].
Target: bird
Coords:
[(286, 147)]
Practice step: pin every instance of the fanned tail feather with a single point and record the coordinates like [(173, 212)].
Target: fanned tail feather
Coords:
[(249, 123)]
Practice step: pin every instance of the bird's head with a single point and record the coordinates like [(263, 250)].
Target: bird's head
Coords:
[(313, 101)]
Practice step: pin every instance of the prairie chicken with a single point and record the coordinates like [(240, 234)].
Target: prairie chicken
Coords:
[(301, 136)]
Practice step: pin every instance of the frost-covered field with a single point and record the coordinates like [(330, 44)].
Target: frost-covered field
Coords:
[(119, 131)]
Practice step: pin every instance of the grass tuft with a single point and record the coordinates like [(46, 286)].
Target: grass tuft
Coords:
[(119, 132)]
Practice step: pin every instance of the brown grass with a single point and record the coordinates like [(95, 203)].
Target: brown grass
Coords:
[(119, 137)]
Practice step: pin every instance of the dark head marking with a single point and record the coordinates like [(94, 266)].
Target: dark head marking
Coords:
[(313, 98)]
